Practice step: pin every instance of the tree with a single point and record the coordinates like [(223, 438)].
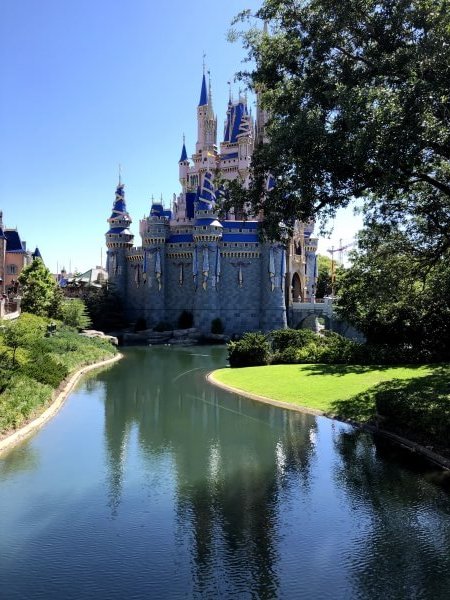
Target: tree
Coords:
[(358, 95), (324, 276), (73, 312), (38, 288), (391, 297)]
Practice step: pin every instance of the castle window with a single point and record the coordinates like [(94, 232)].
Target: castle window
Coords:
[(11, 269)]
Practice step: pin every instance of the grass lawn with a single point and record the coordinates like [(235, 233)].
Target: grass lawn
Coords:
[(341, 390)]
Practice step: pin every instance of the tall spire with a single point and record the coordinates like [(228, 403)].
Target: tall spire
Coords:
[(203, 93)]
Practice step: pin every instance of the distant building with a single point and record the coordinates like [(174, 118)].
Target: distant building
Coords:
[(14, 256), (195, 258)]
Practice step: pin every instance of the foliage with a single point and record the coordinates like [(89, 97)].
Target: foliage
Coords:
[(217, 326), (38, 364), (358, 99), (20, 401), (38, 289), (73, 313), (395, 297), (251, 350), (296, 338), (45, 369), (105, 308), (422, 406), (185, 320), (324, 282), (23, 332), (233, 197)]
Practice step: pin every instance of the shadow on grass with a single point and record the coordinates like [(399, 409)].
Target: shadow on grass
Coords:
[(339, 370), (417, 408)]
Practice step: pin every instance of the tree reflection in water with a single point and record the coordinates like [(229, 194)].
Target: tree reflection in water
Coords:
[(231, 457), (405, 545)]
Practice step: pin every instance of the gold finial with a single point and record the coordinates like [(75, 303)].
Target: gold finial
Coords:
[(204, 56), (120, 174)]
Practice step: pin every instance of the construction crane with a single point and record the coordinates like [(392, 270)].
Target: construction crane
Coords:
[(341, 250)]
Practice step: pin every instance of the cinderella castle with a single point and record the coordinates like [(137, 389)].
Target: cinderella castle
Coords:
[(196, 258)]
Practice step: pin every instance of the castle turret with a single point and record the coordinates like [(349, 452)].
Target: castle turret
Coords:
[(206, 122), (207, 233), (118, 241), (155, 231), (183, 169)]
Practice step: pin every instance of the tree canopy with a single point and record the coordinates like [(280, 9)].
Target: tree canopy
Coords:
[(358, 94), (38, 289)]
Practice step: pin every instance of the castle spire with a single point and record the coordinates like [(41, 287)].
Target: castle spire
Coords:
[(203, 93), (183, 156)]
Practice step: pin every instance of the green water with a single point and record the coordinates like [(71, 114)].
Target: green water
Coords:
[(150, 483)]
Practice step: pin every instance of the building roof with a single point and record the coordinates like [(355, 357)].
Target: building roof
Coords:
[(13, 241), (183, 153)]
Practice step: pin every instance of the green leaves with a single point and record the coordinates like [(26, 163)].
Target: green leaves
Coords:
[(358, 98)]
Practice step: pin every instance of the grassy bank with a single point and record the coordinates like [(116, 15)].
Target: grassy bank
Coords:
[(32, 366), (413, 401)]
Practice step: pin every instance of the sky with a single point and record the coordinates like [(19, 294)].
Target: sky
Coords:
[(87, 85)]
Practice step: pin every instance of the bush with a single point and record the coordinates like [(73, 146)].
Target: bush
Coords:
[(291, 338), (162, 326), (252, 350), (217, 326), (185, 320), (45, 369), (421, 405)]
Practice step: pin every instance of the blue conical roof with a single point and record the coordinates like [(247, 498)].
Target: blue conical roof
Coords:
[(203, 93), (119, 206), (37, 253), (183, 153)]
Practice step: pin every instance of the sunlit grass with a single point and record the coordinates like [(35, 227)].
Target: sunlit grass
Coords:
[(318, 387)]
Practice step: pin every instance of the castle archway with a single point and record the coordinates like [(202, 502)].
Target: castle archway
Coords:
[(296, 288)]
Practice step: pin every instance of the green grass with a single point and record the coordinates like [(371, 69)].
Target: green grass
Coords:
[(321, 387)]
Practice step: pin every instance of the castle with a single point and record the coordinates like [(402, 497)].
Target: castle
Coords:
[(195, 258)]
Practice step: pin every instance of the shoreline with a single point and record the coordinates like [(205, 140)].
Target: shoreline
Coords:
[(58, 399), (437, 459)]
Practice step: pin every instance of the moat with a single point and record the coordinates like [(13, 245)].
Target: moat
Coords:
[(151, 483)]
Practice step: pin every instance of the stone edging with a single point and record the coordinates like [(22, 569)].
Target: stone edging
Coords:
[(60, 396), (439, 460)]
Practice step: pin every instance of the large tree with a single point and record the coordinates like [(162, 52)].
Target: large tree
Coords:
[(358, 94)]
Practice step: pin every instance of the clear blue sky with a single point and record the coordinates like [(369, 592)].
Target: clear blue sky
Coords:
[(89, 84)]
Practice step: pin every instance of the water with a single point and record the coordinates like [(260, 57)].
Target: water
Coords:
[(150, 483)]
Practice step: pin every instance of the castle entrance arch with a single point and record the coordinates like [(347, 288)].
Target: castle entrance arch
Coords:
[(296, 288)]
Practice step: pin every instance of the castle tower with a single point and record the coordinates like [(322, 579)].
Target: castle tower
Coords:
[(155, 231), (118, 241), (207, 233), (206, 128)]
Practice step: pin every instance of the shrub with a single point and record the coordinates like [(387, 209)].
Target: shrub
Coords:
[(291, 338), (185, 320), (45, 369), (421, 405), (251, 350), (217, 326)]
